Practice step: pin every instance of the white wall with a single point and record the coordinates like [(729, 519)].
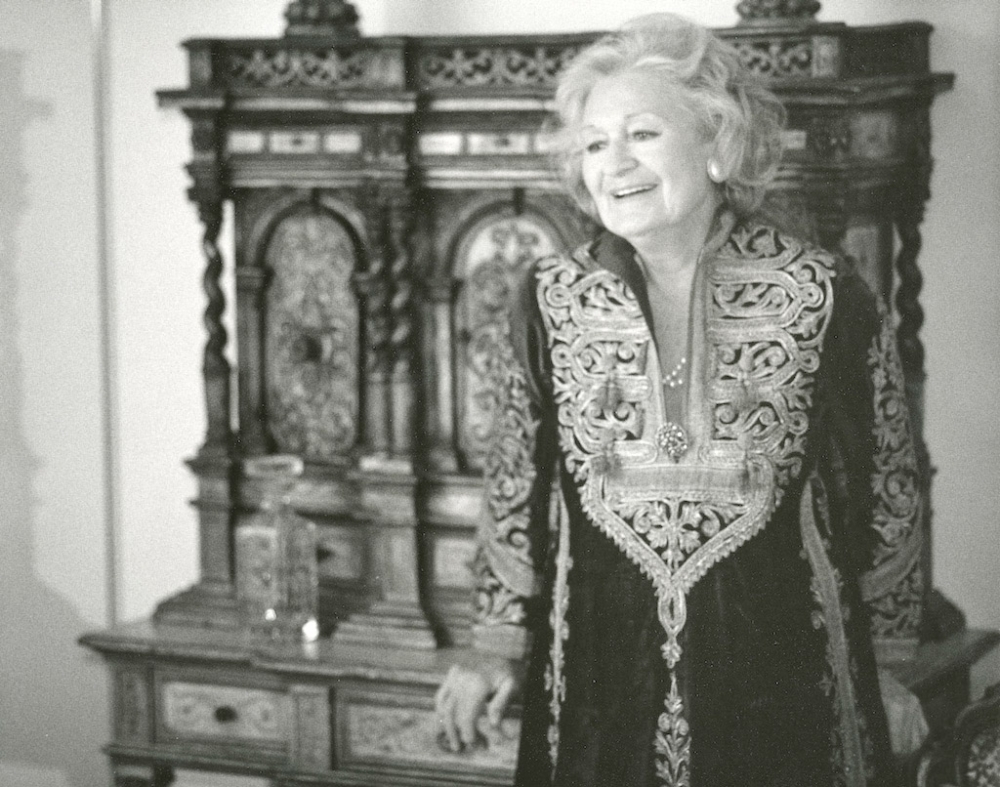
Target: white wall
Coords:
[(52, 480), (53, 511)]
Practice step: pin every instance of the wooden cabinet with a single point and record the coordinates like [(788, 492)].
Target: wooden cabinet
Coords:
[(386, 192)]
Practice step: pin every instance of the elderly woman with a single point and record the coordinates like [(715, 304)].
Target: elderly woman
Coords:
[(702, 459)]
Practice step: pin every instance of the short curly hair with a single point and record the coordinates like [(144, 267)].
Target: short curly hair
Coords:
[(733, 107)]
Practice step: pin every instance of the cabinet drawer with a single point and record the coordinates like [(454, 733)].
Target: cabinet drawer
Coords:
[(395, 729), (221, 718)]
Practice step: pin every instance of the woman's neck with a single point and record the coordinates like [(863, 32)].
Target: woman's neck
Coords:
[(675, 253)]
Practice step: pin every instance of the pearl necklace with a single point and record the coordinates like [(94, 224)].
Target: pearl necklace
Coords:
[(675, 377)]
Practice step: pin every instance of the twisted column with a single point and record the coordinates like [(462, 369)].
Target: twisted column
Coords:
[(909, 215), (401, 308), (373, 291), (207, 194)]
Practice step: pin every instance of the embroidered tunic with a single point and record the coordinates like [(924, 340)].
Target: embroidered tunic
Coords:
[(706, 619)]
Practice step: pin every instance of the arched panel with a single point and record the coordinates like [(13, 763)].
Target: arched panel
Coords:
[(312, 336), (490, 257)]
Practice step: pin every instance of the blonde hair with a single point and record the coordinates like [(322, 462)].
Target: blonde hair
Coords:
[(735, 110)]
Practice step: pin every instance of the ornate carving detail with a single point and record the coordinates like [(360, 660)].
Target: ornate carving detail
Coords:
[(494, 66), (777, 11), (402, 735), (781, 57), (312, 337), (322, 17), (225, 711), (314, 68), (495, 253)]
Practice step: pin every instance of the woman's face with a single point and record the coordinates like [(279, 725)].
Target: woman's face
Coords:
[(644, 158)]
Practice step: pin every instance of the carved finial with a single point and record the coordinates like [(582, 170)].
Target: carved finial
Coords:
[(335, 18), (772, 12)]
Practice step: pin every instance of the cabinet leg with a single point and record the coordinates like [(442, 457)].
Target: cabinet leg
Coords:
[(131, 774)]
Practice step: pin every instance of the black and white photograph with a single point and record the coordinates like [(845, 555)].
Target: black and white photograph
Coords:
[(465, 393)]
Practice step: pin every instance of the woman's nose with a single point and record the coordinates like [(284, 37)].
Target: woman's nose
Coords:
[(619, 158)]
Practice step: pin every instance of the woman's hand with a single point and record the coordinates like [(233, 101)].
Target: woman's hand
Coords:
[(486, 683)]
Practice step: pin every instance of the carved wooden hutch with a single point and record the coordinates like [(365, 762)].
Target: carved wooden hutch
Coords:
[(385, 193)]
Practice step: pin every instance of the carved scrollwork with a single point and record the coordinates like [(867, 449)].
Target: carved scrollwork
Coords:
[(494, 254), (494, 66), (395, 735), (312, 337), (777, 58), (315, 68)]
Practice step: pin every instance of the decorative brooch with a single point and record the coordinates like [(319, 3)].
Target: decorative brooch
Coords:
[(672, 440)]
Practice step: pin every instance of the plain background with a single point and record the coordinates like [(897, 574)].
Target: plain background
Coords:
[(101, 336)]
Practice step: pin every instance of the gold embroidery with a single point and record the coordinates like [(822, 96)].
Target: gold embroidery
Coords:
[(673, 741), (555, 680), (847, 751), (768, 307), (505, 574), (894, 587)]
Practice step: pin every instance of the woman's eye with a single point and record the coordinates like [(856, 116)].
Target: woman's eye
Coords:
[(594, 147), (644, 134)]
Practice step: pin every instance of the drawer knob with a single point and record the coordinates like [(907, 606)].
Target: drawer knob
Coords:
[(225, 714)]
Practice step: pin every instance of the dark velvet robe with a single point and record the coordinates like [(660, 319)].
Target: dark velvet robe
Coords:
[(706, 619)]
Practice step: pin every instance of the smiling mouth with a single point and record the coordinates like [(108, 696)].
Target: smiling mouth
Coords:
[(631, 191)]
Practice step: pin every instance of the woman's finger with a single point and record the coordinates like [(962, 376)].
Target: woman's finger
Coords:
[(497, 705), (444, 690), (467, 712), (446, 718)]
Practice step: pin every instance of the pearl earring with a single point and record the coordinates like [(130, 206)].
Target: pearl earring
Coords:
[(714, 171)]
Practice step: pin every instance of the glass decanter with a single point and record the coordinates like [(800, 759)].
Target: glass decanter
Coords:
[(276, 574)]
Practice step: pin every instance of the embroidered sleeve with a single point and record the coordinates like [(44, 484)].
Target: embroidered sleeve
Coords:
[(881, 481), (893, 584), (513, 531)]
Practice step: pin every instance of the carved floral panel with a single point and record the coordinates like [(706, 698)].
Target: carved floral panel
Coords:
[(495, 251), (204, 711), (411, 736), (312, 337)]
